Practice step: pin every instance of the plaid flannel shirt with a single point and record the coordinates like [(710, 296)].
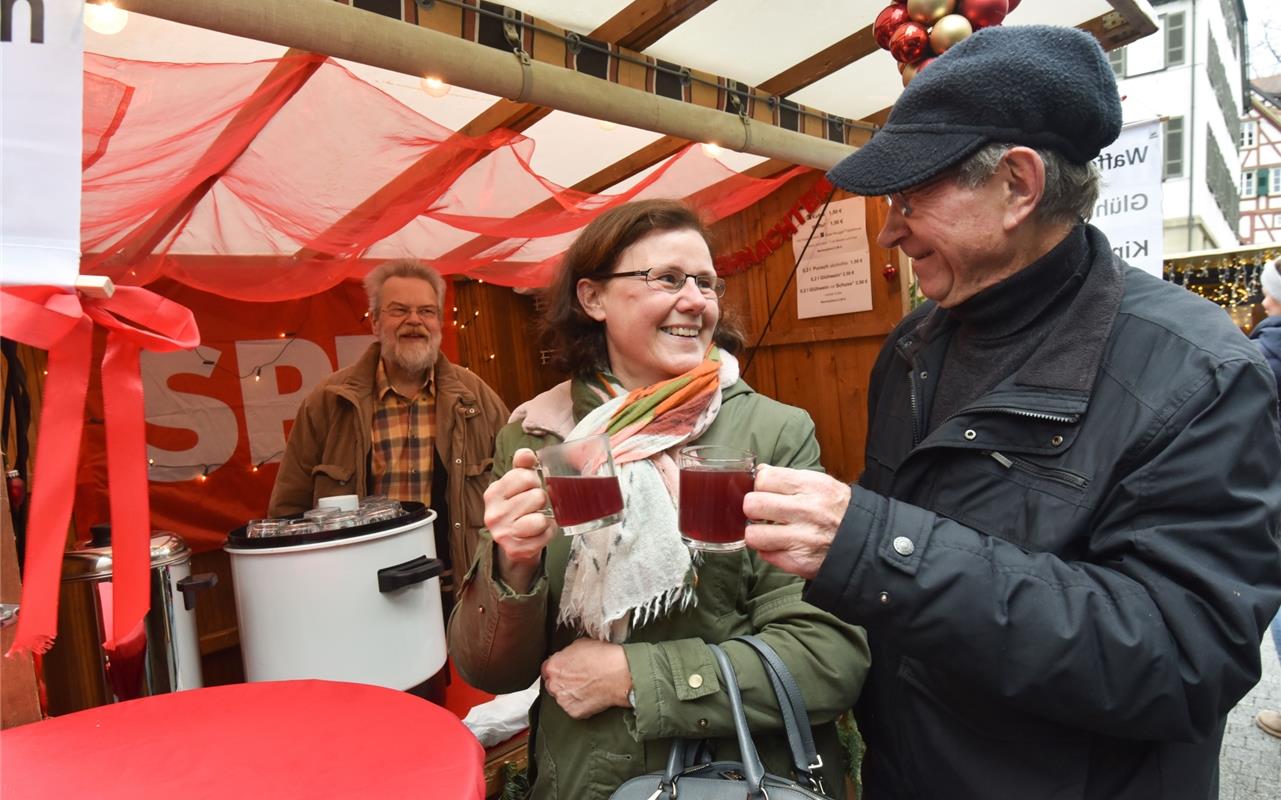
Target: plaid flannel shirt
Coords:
[(404, 433)]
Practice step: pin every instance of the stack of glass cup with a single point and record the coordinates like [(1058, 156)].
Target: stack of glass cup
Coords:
[(331, 514)]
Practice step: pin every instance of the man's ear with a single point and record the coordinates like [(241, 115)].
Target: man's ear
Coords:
[(589, 297), (1024, 184), (373, 324)]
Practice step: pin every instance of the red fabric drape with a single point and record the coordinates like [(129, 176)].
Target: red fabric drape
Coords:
[(272, 180)]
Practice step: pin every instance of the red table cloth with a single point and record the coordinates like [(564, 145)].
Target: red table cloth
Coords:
[(287, 739)]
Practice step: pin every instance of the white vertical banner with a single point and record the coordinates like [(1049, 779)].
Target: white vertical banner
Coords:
[(1129, 207), (41, 83)]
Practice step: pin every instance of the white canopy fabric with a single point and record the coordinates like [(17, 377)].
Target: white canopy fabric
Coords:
[(750, 41)]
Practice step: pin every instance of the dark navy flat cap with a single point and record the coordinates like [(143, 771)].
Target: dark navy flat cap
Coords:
[(1035, 85)]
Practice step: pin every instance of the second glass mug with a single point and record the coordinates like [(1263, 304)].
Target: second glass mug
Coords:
[(581, 484), (714, 479)]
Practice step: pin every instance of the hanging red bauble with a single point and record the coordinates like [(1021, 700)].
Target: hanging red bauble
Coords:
[(17, 489), (888, 21), (948, 31), (890, 272), (927, 12), (985, 13), (909, 42)]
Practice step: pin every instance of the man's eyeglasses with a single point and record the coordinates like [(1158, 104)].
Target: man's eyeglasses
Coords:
[(899, 200), (902, 200), (397, 311), (670, 280)]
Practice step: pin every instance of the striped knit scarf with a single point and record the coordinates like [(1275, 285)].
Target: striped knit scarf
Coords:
[(630, 574)]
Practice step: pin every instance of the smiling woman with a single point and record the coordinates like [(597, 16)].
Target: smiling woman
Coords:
[(616, 622)]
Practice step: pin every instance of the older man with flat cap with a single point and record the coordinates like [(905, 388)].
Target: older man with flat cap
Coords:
[(1064, 544)]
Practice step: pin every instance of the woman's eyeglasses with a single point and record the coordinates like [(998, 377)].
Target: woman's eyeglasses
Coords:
[(667, 279)]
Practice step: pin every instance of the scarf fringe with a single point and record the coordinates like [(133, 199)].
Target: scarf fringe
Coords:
[(680, 599), (677, 599)]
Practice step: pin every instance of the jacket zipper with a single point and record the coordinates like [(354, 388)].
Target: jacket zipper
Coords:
[(901, 347), (1059, 475), (916, 425), (1044, 416)]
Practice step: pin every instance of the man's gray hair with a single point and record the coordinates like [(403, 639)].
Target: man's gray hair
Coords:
[(1071, 190), (401, 268)]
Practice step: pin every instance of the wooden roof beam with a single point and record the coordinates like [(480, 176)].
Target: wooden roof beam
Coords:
[(644, 22)]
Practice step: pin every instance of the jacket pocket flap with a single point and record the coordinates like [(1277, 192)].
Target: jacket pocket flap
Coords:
[(335, 472)]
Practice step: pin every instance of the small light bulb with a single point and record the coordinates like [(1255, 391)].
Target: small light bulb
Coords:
[(711, 149), (151, 462), (434, 86), (257, 374), (282, 334), (105, 18), (255, 468)]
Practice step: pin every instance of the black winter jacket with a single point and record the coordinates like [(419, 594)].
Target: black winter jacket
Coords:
[(1267, 335), (1065, 584)]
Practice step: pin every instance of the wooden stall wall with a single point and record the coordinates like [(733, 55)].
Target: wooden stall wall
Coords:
[(498, 340), (820, 364)]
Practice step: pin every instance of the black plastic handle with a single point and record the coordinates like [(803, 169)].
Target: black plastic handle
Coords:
[(192, 585), (415, 570)]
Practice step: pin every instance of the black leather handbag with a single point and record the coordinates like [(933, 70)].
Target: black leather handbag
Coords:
[(715, 780)]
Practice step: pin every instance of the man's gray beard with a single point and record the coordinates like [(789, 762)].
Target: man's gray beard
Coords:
[(412, 359)]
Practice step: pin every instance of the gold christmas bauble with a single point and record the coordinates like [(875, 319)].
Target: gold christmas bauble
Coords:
[(948, 31), (927, 12)]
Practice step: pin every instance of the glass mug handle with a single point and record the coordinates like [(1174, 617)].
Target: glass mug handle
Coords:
[(546, 510)]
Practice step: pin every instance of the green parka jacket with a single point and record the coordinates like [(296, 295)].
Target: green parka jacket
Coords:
[(499, 639)]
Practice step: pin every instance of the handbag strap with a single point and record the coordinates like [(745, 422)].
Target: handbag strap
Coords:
[(753, 770), (796, 720)]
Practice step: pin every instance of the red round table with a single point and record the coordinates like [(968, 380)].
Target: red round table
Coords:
[(288, 739)]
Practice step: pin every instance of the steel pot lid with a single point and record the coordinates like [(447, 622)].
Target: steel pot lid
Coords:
[(412, 512), (93, 563)]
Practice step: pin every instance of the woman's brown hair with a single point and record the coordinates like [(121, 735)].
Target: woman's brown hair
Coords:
[(578, 341)]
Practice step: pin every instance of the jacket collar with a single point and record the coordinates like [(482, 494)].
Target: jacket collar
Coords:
[(1058, 378)]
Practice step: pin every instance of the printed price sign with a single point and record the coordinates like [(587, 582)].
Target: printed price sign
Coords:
[(834, 276)]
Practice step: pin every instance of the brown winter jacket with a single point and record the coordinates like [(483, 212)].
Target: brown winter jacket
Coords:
[(329, 447)]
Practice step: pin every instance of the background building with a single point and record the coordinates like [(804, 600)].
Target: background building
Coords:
[(1191, 73), (1261, 164)]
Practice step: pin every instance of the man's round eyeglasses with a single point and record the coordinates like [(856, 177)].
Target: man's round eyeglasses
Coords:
[(396, 311), (667, 279)]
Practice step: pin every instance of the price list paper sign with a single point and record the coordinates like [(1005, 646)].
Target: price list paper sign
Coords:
[(834, 277)]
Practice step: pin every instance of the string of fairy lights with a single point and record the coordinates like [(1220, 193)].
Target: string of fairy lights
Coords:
[(1230, 280)]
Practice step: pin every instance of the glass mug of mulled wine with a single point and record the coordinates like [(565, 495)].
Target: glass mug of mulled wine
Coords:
[(714, 479), (581, 484)]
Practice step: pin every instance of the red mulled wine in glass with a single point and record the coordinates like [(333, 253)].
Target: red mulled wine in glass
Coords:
[(713, 482), (582, 487)]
